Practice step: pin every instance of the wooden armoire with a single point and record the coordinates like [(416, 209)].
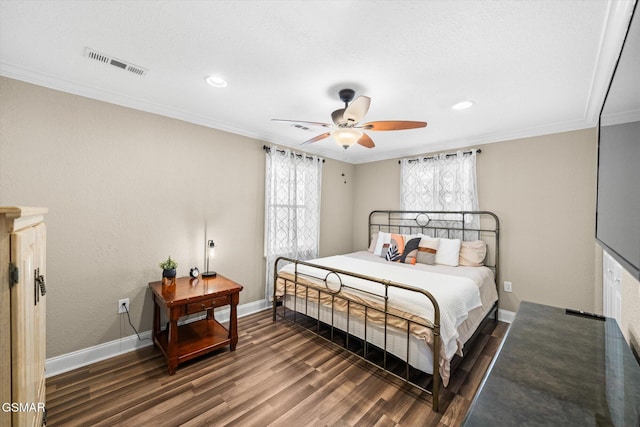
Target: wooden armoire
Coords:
[(22, 316)]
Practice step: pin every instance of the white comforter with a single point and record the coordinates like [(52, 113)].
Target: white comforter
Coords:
[(456, 295)]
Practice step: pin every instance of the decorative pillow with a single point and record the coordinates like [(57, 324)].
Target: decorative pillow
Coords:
[(427, 249), (472, 254), (411, 251), (395, 248), (383, 239), (448, 252), (374, 241)]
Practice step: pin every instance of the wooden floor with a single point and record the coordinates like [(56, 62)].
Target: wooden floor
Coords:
[(279, 375)]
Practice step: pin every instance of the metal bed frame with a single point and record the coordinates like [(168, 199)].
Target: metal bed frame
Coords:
[(449, 224)]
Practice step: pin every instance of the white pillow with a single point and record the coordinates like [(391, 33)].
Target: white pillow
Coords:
[(448, 252), (382, 239)]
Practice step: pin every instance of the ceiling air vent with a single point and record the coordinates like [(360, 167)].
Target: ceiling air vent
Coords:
[(107, 59), (297, 126)]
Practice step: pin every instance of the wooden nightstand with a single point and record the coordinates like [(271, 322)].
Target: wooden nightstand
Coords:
[(189, 296)]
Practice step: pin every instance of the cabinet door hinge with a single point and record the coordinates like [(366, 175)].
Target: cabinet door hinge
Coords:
[(14, 274)]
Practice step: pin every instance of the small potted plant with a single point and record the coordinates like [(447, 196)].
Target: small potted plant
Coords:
[(168, 271)]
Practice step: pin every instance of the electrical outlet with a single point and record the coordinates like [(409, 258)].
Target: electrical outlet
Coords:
[(507, 286), (122, 304)]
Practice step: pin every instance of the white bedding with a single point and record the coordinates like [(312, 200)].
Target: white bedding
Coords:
[(464, 295)]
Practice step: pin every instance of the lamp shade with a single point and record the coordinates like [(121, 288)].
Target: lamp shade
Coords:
[(346, 137)]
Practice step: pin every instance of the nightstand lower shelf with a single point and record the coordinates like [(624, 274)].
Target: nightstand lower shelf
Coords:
[(195, 339)]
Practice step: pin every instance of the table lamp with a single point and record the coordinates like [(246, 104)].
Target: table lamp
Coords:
[(210, 254)]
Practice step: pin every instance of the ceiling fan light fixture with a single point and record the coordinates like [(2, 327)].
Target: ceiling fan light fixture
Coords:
[(346, 137), (463, 105), (216, 81)]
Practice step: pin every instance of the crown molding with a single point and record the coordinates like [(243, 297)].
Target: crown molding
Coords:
[(489, 138), (615, 29), (622, 117), (123, 100)]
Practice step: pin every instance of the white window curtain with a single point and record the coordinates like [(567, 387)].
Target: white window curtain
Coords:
[(441, 183), (292, 207)]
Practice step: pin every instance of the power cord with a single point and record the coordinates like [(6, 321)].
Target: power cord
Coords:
[(129, 319)]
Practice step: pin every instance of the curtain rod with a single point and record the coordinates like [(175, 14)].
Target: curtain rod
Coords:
[(268, 150), (478, 151)]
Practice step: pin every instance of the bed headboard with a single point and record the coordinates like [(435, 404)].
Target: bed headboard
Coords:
[(464, 225)]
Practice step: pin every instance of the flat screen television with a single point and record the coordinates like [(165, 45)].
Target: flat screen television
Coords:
[(618, 207)]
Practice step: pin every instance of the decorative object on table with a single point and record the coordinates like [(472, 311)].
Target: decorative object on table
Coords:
[(210, 254), (168, 271), (194, 273)]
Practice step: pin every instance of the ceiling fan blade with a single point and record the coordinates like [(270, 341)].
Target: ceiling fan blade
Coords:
[(357, 110), (324, 125), (338, 117), (366, 141), (317, 138), (393, 125)]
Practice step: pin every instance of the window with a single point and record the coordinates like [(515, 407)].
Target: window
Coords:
[(446, 182), (292, 207)]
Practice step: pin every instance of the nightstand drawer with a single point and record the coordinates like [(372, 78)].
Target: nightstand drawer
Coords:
[(197, 307)]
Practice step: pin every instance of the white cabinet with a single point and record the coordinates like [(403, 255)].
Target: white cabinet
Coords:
[(611, 287), (22, 316)]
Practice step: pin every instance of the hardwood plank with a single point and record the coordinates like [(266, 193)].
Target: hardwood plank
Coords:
[(471, 383), (279, 375), (456, 410)]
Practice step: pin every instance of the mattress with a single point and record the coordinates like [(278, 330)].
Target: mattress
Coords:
[(465, 295)]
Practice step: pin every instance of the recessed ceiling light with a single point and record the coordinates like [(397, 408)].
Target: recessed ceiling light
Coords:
[(462, 105), (216, 81)]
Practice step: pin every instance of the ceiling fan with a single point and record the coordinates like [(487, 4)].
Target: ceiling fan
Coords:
[(346, 129)]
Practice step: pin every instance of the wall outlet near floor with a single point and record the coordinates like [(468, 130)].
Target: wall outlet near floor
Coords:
[(507, 286), (122, 304)]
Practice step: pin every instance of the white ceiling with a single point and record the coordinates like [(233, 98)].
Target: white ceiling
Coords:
[(531, 66)]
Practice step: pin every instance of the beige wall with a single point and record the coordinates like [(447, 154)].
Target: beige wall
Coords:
[(543, 189), (125, 189), (337, 208)]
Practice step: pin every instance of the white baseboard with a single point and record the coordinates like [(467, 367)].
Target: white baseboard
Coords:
[(506, 316), (77, 359)]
